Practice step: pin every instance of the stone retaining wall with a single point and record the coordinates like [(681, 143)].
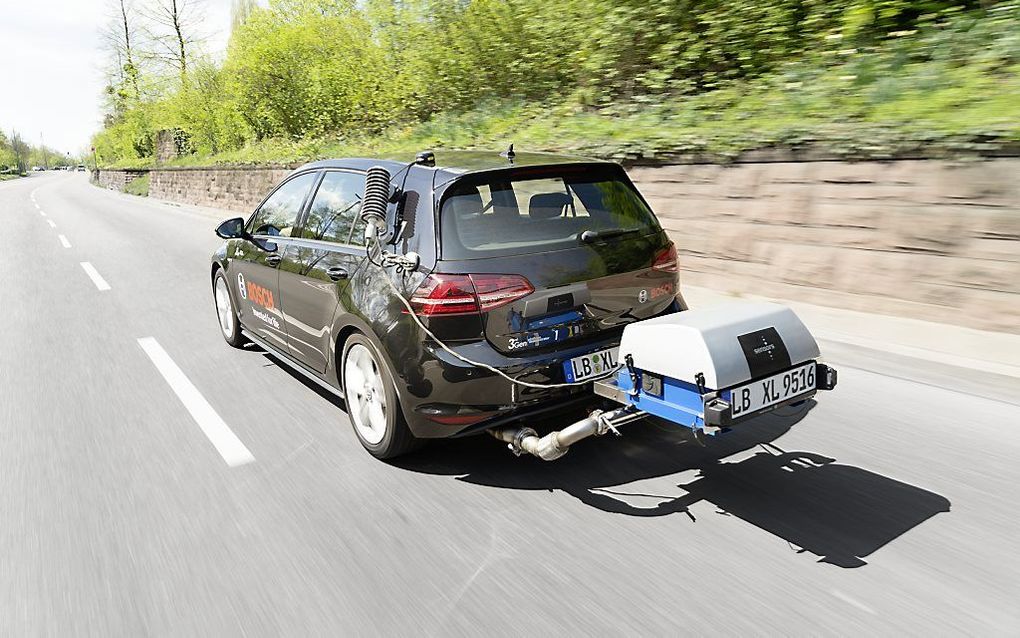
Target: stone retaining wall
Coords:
[(928, 239), (234, 189), (117, 180)]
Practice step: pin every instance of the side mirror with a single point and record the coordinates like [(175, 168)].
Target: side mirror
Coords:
[(231, 229)]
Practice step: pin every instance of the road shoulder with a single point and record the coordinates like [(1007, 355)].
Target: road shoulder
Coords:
[(977, 362)]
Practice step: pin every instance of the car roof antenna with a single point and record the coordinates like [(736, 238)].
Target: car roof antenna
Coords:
[(509, 154)]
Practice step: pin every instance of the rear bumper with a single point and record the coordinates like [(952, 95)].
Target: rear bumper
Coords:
[(449, 398), (465, 399)]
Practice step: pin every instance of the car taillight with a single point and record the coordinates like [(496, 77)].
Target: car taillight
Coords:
[(498, 290), (443, 294), (666, 261)]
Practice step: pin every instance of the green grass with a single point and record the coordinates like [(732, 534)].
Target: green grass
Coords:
[(138, 186), (875, 106)]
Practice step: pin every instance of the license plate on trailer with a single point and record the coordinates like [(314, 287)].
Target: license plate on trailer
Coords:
[(590, 365), (764, 393)]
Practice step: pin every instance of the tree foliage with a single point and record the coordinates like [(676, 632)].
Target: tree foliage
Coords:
[(17, 156), (332, 69)]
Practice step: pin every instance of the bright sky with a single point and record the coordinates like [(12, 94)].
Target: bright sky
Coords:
[(51, 63)]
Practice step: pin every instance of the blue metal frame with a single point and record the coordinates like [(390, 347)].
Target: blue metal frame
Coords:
[(683, 404), (680, 402)]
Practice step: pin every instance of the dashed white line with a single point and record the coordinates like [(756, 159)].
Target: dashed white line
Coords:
[(219, 434), (50, 222), (42, 212), (63, 241), (94, 275)]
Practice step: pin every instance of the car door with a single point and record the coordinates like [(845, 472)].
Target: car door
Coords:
[(318, 265), (256, 260)]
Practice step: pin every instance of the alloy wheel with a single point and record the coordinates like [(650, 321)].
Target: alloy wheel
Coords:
[(366, 394)]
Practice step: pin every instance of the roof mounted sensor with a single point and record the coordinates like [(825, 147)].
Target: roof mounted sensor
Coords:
[(425, 158), (509, 154)]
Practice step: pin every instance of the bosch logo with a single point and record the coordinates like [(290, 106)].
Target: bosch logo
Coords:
[(642, 296), (241, 287)]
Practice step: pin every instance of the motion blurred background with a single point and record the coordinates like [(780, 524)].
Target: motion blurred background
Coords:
[(856, 159), (860, 155), (629, 79), (856, 154)]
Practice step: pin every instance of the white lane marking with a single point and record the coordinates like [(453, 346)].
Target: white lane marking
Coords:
[(63, 241), (37, 206), (42, 212), (220, 435), (50, 222), (852, 601), (94, 275)]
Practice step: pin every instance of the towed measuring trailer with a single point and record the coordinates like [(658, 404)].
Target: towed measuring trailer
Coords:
[(470, 293), (706, 370)]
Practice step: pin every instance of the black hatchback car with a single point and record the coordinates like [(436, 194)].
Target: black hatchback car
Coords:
[(530, 264)]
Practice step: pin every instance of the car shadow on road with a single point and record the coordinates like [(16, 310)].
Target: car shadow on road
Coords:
[(272, 359), (837, 512)]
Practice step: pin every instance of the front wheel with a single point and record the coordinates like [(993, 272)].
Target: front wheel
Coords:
[(230, 327), (372, 402)]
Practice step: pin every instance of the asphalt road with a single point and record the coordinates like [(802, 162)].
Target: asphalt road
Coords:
[(890, 507)]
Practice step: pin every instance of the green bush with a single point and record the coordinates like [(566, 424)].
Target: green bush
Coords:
[(305, 77), (138, 186)]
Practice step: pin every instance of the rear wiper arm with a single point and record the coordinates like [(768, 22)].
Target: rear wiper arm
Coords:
[(589, 236)]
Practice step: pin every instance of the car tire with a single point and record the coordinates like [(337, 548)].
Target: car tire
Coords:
[(226, 313), (372, 402)]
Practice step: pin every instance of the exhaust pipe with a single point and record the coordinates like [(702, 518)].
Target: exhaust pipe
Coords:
[(522, 439)]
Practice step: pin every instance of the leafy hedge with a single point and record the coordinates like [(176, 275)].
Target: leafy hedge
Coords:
[(138, 186), (608, 77)]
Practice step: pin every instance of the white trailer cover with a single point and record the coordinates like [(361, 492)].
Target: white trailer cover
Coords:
[(730, 343)]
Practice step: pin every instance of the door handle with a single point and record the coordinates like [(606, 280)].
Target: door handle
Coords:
[(274, 260), (336, 273)]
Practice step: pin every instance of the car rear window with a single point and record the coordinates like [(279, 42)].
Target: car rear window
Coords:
[(506, 214)]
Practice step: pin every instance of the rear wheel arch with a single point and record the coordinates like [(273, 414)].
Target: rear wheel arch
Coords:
[(397, 439), (345, 333)]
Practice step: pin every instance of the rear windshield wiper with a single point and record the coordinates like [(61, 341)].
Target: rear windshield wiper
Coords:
[(589, 236)]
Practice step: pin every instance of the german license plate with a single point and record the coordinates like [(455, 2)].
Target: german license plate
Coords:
[(590, 365), (763, 393)]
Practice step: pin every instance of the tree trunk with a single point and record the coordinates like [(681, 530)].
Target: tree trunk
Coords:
[(180, 42), (131, 70)]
